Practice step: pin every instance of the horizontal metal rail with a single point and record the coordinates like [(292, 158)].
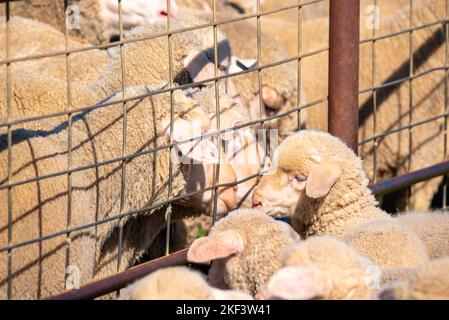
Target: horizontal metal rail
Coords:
[(103, 286)]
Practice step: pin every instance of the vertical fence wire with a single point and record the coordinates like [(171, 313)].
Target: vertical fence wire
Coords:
[(168, 213), (217, 112), (9, 142), (124, 136), (298, 80), (446, 106), (69, 141), (410, 106), (373, 83)]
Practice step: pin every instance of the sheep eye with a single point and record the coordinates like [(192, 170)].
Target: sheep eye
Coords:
[(300, 178)]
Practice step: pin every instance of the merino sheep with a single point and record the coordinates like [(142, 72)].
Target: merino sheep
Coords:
[(320, 182), (29, 38), (430, 282), (237, 244), (325, 268), (94, 20), (177, 283), (40, 208)]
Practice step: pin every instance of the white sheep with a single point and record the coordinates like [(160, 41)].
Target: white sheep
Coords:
[(242, 258), (95, 20), (39, 208), (429, 282), (29, 38), (320, 182), (177, 283), (322, 267)]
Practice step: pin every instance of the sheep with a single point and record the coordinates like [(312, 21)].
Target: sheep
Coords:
[(38, 207), (29, 38), (242, 260), (320, 183), (278, 82), (432, 228), (147, 61), (430, 282), (96, 21), (322, 267), (177, 283)]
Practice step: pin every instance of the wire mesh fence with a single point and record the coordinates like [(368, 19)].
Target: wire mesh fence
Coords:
[(114, 180)]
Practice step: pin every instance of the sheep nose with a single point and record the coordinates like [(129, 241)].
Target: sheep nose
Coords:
[(173, 8)]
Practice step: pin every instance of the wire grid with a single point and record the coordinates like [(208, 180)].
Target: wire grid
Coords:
[(9, 123), (412, 76)]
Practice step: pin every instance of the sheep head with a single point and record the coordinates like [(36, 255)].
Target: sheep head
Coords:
[(307, 167)]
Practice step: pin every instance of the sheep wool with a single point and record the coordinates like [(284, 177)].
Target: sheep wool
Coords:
[(430, 282), (30, 38), (177, 283), (243, 259), (339, 271), (432, 228)]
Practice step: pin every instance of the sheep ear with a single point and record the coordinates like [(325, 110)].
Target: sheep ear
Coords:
[(201, 150), (221, 245), (321, 179), (298, 283), (199, 66)]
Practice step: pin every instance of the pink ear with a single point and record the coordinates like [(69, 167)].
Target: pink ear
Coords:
[(221, 245), (298, 283), (199, 66), (320, 180)]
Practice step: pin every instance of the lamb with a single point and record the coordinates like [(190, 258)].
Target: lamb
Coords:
[(320, 183), (430, 282), (38, 207), (242, 260), (177, 283), (322, 267), (29, 38), (96, 21)]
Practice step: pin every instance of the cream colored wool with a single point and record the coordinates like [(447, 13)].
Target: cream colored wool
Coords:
[(36, 94), (98, 20), (321, 183), (177, 283), (40, 208), (432, 228), (147, 61), (430, 282), (30, 38), (238, 245), (341, 272)]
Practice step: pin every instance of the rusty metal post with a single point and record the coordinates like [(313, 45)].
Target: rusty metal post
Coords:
[(344, 33)]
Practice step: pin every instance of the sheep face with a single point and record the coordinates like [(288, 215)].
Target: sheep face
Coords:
[(307, 165), (198, 160)]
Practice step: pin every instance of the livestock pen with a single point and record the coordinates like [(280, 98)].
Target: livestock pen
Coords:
[(347, 97)]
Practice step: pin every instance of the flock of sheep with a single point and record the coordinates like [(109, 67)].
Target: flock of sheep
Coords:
[(98, 152)]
